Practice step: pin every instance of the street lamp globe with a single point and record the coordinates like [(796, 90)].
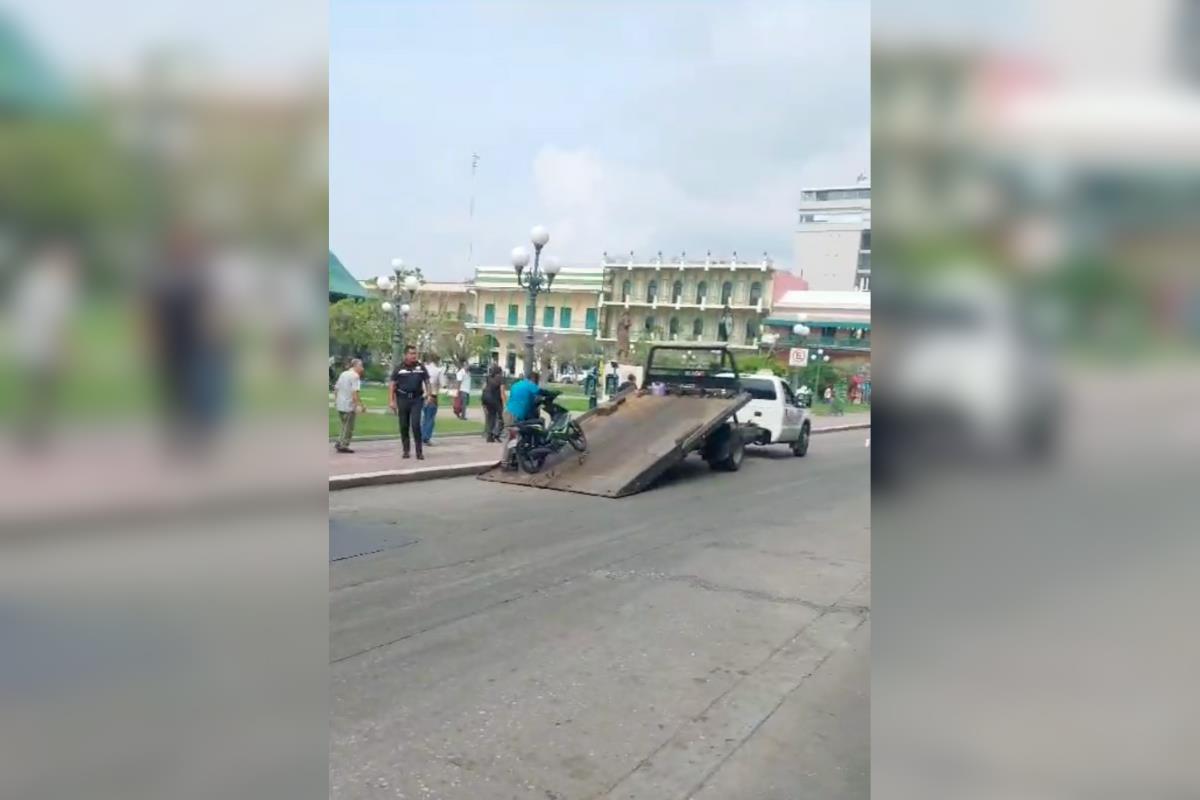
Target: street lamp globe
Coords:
[(520, 257), (820, 351), (384, 282), (539, 236), (386, 306), (825, 359), (397, 263), (552, 266), (411, 283), (404, 309), (800, 330)]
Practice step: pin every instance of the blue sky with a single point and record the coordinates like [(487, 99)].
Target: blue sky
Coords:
[(618, 125)]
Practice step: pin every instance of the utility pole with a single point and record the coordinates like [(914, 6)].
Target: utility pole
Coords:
[(471, 215)]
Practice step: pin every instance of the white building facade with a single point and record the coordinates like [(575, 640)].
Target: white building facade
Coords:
[(833, 238)]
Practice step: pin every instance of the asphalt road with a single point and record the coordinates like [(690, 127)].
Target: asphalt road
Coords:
[(708, 638)]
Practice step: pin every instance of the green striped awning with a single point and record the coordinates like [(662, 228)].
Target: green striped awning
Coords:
[(820, 323)]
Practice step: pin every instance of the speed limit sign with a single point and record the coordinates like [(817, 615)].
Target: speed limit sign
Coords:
[(797, 356)]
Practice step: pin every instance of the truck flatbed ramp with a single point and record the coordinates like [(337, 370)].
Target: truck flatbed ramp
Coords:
[(631, 441)]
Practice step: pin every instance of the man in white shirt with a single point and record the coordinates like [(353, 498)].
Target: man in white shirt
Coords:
[(464, 389), (437, 376), (348, 403)]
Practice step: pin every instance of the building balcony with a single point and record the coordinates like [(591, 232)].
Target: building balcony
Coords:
[(703, 305), (679, 338), (506, 328)]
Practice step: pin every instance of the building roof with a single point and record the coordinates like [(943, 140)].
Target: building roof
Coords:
[(803, 300), (785, 282), (341, 282), (446, 287)]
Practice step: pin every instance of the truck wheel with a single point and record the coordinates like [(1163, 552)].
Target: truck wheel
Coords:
[(726, 450), (800, 446)]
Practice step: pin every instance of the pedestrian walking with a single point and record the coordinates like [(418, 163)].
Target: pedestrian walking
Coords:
[(407, 394), (437, 378), (348, 402), (493, 403), (464, 390)]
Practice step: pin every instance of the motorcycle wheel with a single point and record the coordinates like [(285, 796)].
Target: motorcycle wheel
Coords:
[(529, 461), (575, 436)]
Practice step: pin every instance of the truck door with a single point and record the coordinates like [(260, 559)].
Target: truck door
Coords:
[(793, 414)]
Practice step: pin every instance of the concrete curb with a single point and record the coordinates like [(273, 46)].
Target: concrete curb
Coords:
[(386, 476)]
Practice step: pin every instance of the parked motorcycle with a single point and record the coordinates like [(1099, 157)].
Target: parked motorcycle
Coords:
[(533, 441)]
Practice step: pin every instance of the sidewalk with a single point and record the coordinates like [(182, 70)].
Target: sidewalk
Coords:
[(379, 461)]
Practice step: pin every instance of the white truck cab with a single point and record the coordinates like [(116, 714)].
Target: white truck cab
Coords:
[(777, 411)]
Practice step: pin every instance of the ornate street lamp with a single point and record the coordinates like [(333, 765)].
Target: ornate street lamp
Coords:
[(535, 281), (402, 289)]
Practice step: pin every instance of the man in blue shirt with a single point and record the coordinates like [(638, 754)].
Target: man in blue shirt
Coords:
[(522, 399)]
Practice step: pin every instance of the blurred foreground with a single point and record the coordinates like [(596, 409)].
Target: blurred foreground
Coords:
[(162, 237), (1037, 199)]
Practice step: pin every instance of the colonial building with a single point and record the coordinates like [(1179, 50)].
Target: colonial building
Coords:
[(568, 311), (684, 300)]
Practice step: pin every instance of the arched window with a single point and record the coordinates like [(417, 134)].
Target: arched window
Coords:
[(677, 292), (626, 290), (673, 328), (701, 292), (698, 328), (650, 325), (726, 292), (651, 291), (755, 292)]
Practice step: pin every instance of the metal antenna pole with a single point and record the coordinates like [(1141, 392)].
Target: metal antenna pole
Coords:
[(471, 215)]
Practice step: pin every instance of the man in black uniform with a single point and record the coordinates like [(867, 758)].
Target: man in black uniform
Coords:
[(406, 396)]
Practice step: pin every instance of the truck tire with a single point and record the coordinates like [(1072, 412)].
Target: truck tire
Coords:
[(725, 450), (800, 446)]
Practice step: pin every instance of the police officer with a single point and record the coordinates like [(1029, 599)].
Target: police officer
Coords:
[(407, 393)]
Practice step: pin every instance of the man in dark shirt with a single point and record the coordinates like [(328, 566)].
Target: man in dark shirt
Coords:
[(407, 392)]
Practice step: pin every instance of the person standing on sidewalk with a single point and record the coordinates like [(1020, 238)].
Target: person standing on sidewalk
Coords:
[(348, 403), (407, 393), (493, 403), (464, 390), (437, 377)]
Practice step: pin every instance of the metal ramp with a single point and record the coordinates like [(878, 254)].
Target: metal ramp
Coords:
[(631, 441)]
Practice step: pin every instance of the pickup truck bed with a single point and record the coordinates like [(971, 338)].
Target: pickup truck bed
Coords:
[(631, 441)]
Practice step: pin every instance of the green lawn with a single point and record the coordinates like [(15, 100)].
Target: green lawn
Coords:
[(824, 410), (377, 397), (388, 425)]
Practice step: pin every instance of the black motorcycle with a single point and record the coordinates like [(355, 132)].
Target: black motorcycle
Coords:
[(533, 441)]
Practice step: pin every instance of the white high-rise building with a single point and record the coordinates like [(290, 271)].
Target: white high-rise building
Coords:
[(833, 238)]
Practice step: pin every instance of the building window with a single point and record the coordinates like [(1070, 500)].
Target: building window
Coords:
[(564, 317), (864, 241), (462, 311), (673, 328), (512, 315), (698, 329), (650, 325), (677, 292), (652, 291), (755, 292), (726, 293), (701, 292), (548, 317), (626, 290), (489, 314), (751, 330), (590, 320)]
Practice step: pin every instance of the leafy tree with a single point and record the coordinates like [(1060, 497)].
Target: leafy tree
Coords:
[(361, 326)]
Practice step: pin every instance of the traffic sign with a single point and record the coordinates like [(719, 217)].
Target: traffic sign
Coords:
[(798, 357)]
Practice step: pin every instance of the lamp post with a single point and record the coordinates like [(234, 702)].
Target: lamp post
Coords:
[(535, 281), (820, 358), (801, 330), (402, 289)]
